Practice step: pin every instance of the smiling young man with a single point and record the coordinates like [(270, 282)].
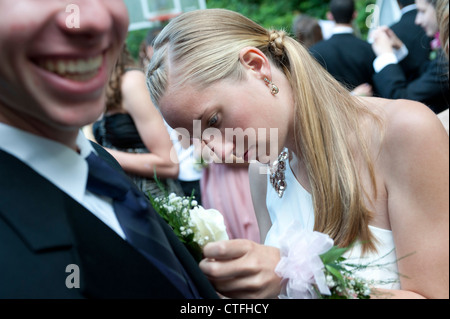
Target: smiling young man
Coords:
[(57, 239)]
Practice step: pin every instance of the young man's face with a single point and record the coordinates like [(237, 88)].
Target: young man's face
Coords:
[(55, 59)]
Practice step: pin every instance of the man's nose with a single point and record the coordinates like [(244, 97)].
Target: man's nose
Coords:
[(86, 19)]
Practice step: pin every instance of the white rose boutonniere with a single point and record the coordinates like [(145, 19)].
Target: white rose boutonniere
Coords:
[(208, 224)]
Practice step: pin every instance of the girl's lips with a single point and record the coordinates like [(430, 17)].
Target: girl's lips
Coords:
[(72, 76)]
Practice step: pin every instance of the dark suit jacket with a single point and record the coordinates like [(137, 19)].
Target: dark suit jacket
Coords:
[(348, 58), (43, 230), (417, 42), (430, 88)]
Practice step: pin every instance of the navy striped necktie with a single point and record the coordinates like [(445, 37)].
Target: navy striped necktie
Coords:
[(138, 221)]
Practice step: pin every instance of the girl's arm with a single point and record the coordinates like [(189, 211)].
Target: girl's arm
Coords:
[(415, 161), (162, 158)]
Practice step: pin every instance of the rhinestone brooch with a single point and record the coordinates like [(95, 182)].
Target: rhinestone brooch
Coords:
[(277, 177)]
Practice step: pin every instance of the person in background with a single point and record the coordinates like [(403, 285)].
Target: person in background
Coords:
[(146, 48), (226, 187), (133, 130), (414, 38), (190, 163), (442, 17), (431, 87), (347, 57), (307, 30)]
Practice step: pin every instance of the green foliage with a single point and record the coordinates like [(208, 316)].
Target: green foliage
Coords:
[(280, 14), (271, 14), (341, 280), (364, 12), (134, 41)]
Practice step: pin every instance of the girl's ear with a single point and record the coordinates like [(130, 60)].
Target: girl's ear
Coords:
[(253, 60)]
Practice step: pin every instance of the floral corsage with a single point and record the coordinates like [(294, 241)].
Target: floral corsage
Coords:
[(194, 225), (313, 268)]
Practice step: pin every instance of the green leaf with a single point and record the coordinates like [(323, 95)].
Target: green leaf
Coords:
[(338, 266), (335, 272), (333, 254), (195, 250)]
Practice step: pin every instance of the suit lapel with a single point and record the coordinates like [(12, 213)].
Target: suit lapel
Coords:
[(32, 206), (204, 287), (202, 284), (111, 267)]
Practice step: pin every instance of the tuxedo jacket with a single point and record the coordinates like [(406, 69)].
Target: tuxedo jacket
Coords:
[(417, 42), (430, 88), (347, 58), (43, 231)]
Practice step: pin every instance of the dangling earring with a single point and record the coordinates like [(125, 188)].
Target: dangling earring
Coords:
[(273, 88)]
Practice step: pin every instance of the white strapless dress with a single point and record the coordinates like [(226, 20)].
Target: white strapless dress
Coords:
[(296, 206)]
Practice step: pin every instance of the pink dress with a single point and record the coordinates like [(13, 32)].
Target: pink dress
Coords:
[(226, 188)]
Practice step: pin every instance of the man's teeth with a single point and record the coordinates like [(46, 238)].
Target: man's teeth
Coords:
[(77, 69)]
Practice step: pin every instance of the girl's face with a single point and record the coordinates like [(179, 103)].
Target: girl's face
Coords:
[(55, 60), (242, 119), (426, 17)]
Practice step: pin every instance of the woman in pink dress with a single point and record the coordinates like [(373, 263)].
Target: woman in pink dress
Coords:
[(226, 187)]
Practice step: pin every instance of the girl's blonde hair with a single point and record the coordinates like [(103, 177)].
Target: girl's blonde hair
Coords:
[(203, 47)]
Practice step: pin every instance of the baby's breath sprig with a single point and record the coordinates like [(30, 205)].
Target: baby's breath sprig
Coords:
[(192, 224), (175, 211)]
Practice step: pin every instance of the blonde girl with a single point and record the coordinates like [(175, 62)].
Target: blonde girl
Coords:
[(366, 162)]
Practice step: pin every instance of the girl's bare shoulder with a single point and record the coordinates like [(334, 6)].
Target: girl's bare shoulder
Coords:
[(405, 120)]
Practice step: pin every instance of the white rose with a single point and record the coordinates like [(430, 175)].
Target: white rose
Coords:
[(209, 225)]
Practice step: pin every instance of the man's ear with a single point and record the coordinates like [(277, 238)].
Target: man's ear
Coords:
[(253, 60)]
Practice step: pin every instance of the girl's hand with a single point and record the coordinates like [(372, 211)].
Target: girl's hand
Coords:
[(241, 268)]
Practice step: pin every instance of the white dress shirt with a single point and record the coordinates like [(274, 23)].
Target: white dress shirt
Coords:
[(62, 166), (383, 60), (408, 8), (342, 30), (398, 55)]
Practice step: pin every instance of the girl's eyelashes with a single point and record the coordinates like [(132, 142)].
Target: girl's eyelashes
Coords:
[(213, 120)]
